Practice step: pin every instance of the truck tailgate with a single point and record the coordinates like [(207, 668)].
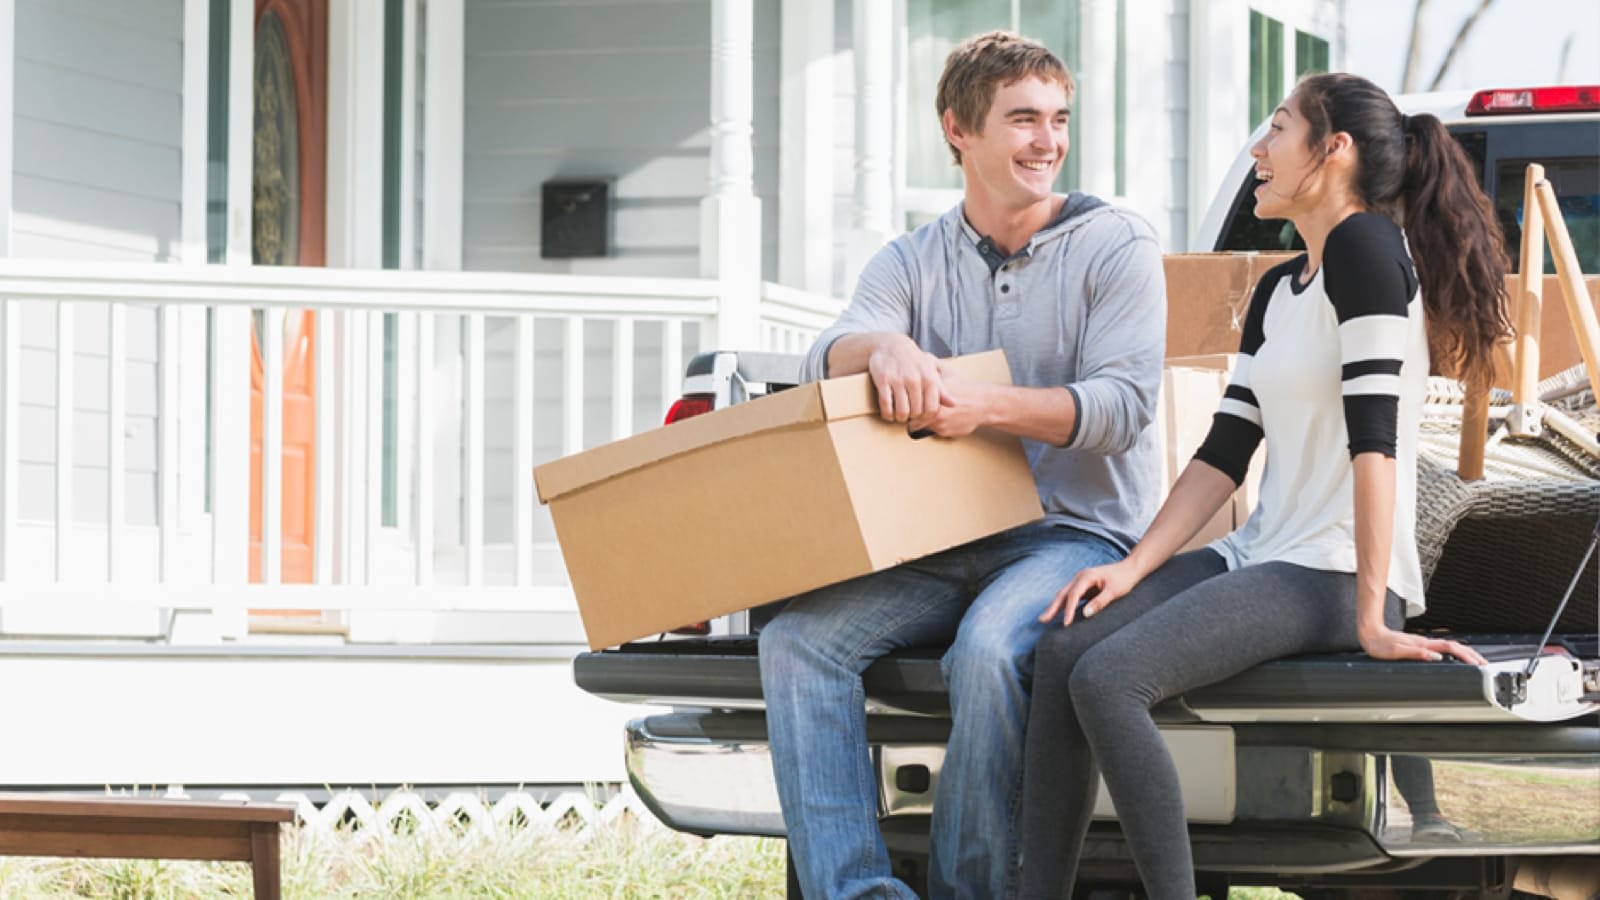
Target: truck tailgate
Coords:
[(723, 673)]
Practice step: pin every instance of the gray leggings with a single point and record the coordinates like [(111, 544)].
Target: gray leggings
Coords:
[(1190, 623)]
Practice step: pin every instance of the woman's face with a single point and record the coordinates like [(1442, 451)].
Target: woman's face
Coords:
[(1287, 167)]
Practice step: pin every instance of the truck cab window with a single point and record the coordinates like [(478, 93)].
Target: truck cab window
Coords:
[(1577, 185)]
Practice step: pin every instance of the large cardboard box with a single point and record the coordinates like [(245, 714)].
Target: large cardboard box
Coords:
[(1209, 293), (771, 498), (1207, 297), (1191, 388)]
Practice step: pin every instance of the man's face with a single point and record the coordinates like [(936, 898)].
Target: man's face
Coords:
[(1015, 159)]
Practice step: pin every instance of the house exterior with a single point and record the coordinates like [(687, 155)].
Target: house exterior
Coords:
[(317, 283)]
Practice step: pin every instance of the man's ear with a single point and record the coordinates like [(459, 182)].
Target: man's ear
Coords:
[(953, 132)]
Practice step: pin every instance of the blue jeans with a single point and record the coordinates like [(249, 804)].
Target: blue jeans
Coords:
[(981, 598)]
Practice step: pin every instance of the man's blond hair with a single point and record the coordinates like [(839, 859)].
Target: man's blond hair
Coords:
[(981, 64)]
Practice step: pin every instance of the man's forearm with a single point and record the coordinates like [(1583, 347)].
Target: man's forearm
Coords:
[(851, 353), (1048, 414)]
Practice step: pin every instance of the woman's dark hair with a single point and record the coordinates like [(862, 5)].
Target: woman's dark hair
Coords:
[(1411, 169)]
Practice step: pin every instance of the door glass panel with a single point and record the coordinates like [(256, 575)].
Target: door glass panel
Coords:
[(276, 194)]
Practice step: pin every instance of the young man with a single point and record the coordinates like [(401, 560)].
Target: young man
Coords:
[(1072, 290)]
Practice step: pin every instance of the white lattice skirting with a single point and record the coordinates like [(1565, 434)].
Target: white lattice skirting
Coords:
[(405, 813)]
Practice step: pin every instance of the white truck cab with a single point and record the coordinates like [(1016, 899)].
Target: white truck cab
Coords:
[(1502, 130)]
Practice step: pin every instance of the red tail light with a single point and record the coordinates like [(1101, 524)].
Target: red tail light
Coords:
[(688, 406), (1510, 101)]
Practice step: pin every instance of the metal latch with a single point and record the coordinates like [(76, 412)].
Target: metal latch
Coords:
[(1511, 688)]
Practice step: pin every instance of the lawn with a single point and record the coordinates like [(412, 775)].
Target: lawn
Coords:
[(618, 862)]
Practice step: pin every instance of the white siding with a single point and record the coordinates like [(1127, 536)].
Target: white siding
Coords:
[(614, 89), (97, 133)]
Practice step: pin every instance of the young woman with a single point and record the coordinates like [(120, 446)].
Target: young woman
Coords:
[(1332, 369)]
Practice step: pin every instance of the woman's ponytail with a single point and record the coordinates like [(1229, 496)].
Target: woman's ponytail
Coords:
[(1458, 249), (1409, 167)]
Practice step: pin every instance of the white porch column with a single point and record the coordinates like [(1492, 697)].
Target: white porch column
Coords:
[(872, 204), (805, 151), (730, 217)]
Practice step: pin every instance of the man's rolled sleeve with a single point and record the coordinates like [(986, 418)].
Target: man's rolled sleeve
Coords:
[(1122, 346)]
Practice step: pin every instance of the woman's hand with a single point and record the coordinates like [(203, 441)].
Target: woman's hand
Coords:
[(1386, 643), (1103, 584)]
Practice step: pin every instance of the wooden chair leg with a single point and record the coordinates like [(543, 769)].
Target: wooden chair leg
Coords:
[(1571, 280), (264, 861)]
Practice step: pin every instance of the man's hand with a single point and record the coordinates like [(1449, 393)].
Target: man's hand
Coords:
[(907, 379), (963, 406)]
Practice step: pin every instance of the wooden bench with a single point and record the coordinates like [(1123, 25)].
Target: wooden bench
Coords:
[(132, 828)]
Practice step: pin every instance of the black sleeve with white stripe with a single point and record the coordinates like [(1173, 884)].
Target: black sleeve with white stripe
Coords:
[(1370, 282), (1236, 427)]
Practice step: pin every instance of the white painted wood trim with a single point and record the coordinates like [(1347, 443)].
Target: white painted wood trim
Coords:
[(622, 379), (196, 98), (407, 196), (10, 441), (92, 602), (241, 129), (572, 387), (355, 134), (66, 453), (324, 478), (189, 355), (8, 82), (1097, 99), (372, 457), (408, 377), (671, 363), (522, 494), (168, 449), (491, 293), (422, 520), (444, 99), (230, 442), (116, 437), (805, 146), (732, 98), (473, 409), (1219, 67), (272, 343)]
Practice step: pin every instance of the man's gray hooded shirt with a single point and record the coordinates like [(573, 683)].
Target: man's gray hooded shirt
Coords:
[(1081, 306)]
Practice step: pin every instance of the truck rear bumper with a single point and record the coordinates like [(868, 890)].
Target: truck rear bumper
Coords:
[(710, 773)]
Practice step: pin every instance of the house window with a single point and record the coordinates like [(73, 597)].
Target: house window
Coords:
[(1266, 67), (1310, 54), (933, 29)]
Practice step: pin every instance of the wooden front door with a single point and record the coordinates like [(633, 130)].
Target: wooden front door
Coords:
[(290, 176)]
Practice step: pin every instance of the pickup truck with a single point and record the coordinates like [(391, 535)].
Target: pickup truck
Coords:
[(1297, 773)]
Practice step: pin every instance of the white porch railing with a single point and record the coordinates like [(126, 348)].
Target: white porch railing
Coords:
[(436, 395)]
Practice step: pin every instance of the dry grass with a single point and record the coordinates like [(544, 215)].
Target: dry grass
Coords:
[(1509, 804), (620, 861)]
